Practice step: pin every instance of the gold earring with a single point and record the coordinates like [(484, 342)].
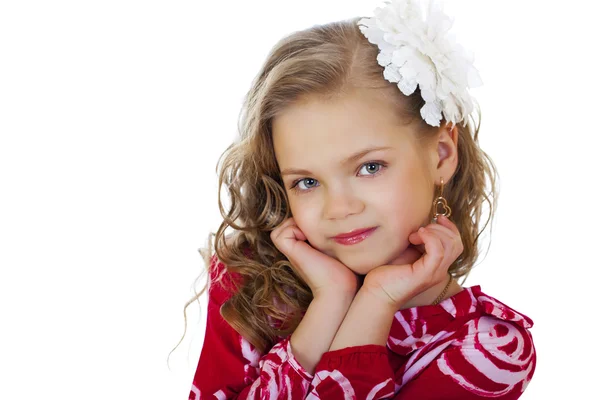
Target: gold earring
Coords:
[(440, 200)]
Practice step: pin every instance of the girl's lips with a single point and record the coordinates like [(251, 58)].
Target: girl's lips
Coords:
[(357, 237)]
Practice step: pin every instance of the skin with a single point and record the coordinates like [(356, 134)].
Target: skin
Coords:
[(394, 193), (391, 189)]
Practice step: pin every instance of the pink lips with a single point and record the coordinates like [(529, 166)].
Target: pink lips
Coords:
[(354, 237)]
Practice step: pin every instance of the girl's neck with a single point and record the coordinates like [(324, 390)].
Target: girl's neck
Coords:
[(428, 296)]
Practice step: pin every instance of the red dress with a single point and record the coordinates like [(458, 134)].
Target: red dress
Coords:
[(470, 346)]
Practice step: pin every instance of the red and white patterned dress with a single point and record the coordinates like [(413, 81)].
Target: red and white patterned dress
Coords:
[(470, 346)]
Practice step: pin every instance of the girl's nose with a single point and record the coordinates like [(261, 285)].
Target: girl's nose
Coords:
[(341, 204)]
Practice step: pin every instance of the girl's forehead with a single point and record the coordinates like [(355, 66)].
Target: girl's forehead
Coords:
[(336, 141), (362, 118), (357, 106)]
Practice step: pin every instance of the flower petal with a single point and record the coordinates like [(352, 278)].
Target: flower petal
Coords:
[(418, 50)]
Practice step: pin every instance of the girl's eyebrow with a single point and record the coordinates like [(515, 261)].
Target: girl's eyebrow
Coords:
[(347, 160)]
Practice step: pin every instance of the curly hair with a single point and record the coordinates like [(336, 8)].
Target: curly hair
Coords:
[(326, 61)]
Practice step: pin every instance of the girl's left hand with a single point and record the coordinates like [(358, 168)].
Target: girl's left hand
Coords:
[(438, 245)]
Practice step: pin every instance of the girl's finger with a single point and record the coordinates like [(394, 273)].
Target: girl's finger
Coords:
[(445, 221), (434, 249), (417, 241), (415, 238), (446, 248), (452, 240), (446, 235), (442, 226), (298, 234), (279, 229)]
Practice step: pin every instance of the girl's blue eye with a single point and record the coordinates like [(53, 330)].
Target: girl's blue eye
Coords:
[(370, 170), (305, 180)]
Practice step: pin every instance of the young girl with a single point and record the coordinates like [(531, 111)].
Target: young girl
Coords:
[(356, 193)]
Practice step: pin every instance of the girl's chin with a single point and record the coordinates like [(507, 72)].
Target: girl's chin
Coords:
[(363, 267)]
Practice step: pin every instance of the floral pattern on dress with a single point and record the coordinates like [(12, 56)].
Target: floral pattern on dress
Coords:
[(469, 346)]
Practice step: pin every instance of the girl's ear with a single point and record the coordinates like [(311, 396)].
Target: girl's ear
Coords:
[(447, 153)]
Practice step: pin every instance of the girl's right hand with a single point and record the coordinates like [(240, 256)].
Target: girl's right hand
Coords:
[(322, 273)]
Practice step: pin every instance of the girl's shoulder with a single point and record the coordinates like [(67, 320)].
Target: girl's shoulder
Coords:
[(493, 307), (494, 341), (469, 319), (469, 303), (470, 344), (473, 301), (222, 283), (474, 335)]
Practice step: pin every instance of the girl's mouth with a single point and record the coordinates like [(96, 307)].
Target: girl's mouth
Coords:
[(354, 239)]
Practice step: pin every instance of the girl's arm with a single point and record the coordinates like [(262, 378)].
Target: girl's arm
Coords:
[(358, 359), (369, 321), (231, 368), (314, 335)]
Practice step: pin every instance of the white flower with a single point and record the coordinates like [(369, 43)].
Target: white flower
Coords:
[(417, 51)]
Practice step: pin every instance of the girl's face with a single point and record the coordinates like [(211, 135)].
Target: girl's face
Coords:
[(348, 165)]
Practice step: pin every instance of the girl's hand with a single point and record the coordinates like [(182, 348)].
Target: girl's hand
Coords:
[(321, 272), (398, 283)]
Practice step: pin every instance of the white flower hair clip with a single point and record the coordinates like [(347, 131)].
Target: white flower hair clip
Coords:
[(417, 51)]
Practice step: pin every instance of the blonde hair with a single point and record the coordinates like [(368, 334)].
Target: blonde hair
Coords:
[(325, 61)]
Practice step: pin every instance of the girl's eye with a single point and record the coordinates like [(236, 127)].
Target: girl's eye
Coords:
[(371, 167), (308, 183)]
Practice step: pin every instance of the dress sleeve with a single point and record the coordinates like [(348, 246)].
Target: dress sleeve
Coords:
[(495, 364), (232, 368), (357, 372), (498, 366)]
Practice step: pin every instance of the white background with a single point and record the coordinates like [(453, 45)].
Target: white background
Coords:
[(113, 115)]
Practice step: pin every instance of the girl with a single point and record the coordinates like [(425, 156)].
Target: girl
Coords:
[(356, 193)]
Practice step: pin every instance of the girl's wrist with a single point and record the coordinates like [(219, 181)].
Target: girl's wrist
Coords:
[(378, 296)]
